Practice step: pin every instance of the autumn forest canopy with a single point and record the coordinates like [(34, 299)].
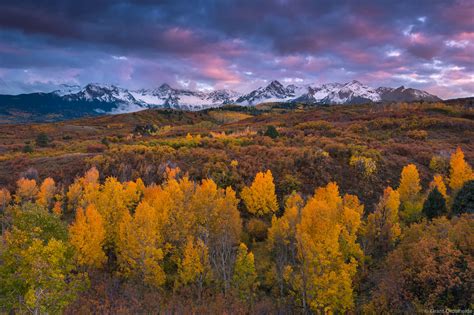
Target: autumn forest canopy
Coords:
[(258, 210)]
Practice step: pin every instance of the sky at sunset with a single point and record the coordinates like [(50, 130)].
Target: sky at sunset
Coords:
[(240, 45)]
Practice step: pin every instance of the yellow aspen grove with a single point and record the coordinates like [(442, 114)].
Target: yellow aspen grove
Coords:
[(140, 247), (438, 182), (113, 201), (87, 235), (383, 228), (260, 198), (46, 193), (460, 171), (26, 190)]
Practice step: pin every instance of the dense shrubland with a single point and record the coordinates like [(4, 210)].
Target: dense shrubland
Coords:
[(160, 240)]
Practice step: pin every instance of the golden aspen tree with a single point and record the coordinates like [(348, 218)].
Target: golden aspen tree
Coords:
[(383, 228), (244, 278), (87, 235), (324, 275), (203, 206), (460, 171), (195, 267), (260, 197), (46, 193), (140, 246), (112, 203), (438, 182), (86, 186), (348, 214), (174, 198), (410, 198), (409, 183), (26, 190)]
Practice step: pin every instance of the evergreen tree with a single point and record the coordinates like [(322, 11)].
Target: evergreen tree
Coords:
[(42, 140), (464, 201), (435, 205), (271, 132)]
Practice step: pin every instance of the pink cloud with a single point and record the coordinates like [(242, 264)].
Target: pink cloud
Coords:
[(365, 30), (214, 68)]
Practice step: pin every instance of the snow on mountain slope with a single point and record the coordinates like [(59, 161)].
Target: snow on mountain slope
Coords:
[(274, 92), (350, 93), (65, 89), (402, 94), (331, 93), (113, 99)]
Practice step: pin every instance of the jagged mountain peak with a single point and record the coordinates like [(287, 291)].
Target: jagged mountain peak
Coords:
[(165, 87), (65, 89), (113, 99), (354, 83), (403, 94), (275, 84)]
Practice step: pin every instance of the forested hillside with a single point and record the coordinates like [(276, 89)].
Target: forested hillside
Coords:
[(271, 209)]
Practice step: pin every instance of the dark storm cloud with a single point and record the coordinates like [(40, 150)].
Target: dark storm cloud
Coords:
[(239, 44)]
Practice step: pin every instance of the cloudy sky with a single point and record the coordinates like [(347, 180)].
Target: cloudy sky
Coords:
[(208, 44)]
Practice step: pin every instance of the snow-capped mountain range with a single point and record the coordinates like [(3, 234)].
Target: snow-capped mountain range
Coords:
[(134, 100), (352, 92), (113, 99)]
